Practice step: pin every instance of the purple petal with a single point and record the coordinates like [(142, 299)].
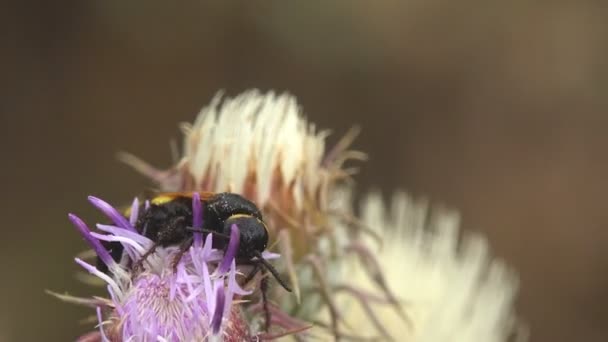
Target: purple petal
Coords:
[(134, 212), (233, 247), (227, 303), (270, 255), (233, 285), (196, 257), (111, 213), (183, 278), (172, 289), (233, 288), (104, 338), (94, 271), (207, 247), (99, 249), (117, 305), (194, 294), (114, 230), (197, 218), (207, 285), (218, 314), (126, 242)]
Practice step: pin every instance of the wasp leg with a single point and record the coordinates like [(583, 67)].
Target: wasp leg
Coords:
[(264, 286), (264, 290), (174, 231), (209, 231), (139, 264), (261, 261), (183, 248), (252, 273)]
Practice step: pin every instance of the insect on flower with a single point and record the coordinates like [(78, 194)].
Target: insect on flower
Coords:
[(199, 299), (193, 303), (168, 220)]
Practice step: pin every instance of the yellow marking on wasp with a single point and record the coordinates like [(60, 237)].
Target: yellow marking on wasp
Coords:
[(162, 199), (235, 216), (240, 215), (170, 196)]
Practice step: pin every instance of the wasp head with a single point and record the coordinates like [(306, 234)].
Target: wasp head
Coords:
[(253, 234)]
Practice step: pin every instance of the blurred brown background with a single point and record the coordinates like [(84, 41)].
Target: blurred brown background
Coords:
[(497, 109)]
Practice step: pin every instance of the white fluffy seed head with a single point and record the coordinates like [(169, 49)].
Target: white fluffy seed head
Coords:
[(451, 291)]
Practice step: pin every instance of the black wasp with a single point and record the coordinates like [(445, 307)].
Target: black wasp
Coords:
[(168, 221)]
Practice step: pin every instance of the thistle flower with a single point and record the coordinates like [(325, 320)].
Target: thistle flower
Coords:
[(387, 275), (451, 290), (194, 303)]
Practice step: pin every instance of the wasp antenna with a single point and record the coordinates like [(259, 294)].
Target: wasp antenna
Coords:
[(203, 230), (272, 270)]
